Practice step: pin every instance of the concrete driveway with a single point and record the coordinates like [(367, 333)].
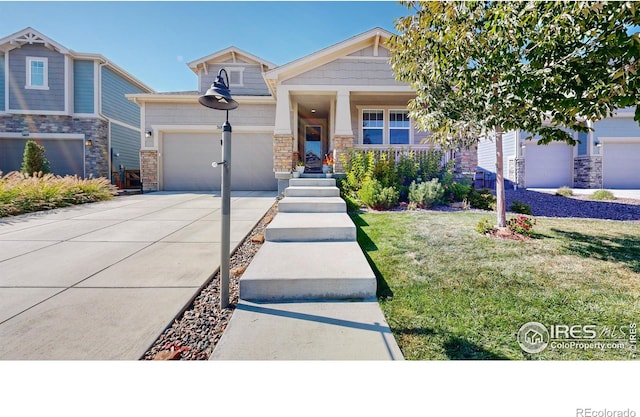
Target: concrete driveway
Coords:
[(103, 280)]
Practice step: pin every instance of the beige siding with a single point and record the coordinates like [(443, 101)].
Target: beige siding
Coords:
[(352, 71), (253, 83), (196, 114), (384, 52)]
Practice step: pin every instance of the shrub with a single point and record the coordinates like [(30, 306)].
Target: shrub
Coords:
[(564, 191), (519, 207), (377, 197), (483, 199), (602, 195), (484, 226), (21, 193), (34, 159), (522, 225), (426, 194), (457, 191)]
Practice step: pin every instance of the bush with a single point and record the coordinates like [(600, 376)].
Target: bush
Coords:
[(21, 193), (34, 159), (426, 194), (377, 197), (564, 191), (519, 207), (602, 195), (522, 225), (457, 191), (484, 226), (483, 199)]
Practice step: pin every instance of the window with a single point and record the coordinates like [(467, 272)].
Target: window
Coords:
[(386, 127), (372, 127), (37, 73), (236, 77), (582, 146), (399, 126)]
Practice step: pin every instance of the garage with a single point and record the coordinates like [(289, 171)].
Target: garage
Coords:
[(65, 156), (548, 166), (186, 162), (620, 164)]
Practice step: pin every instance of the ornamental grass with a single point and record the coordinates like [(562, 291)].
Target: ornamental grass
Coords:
[(23, 193)]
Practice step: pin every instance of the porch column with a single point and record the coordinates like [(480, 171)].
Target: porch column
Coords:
[(282, 134), (343, 137)]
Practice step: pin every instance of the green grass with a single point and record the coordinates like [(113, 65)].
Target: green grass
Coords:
[(451, 293), (21, 193)]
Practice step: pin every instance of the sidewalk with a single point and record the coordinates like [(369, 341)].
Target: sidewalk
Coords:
[(309, 293), (102, 281)]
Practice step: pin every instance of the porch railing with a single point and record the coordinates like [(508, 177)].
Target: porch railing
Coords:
[(420, 151)]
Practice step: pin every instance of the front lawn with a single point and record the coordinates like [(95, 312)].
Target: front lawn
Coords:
[(450, 293)]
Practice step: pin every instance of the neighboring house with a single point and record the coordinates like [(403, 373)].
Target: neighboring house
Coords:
[(607, 157), (72, 103), (333, 100)]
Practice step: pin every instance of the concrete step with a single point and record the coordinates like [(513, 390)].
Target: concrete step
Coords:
[(338, 330), (311, 227), (312, 205), (311, 191), (308, 271), (312, 182)]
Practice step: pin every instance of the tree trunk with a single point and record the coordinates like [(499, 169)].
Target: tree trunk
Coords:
[(500, 197)]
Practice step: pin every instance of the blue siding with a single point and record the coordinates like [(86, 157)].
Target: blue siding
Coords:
[(1, 82), (83, 81), (114, 104), (617, 127), (21, 98), (125, 142), (583, 145)]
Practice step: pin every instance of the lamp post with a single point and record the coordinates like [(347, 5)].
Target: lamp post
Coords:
[(218, 97)]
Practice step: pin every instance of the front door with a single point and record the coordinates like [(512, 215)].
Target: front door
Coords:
[(313, 148)]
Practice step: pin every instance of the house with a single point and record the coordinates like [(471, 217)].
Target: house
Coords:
[(339, 98), (72, 103), (606, 157)]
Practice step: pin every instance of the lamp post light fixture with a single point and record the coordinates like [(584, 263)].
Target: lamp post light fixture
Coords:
[(218, 97)]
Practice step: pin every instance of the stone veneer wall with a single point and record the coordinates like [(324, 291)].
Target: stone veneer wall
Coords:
[(520, 164), (466, 160), (283, 153), (342, 146), (149, 170), (587, 172), (96, 156)]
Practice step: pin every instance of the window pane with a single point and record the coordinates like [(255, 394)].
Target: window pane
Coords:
[(372, 136), (399, 118), (399, 136), (582, 146), (372, 118), (37, 73)]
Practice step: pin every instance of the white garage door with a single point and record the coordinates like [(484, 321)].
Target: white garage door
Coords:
[(621, 165), (548, 166), (65, 156), (187, 158)]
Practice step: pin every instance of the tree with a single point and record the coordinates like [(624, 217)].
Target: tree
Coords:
[(34, 159), (481, 68)]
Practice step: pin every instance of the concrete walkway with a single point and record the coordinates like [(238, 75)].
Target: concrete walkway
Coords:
[(309, 293), (103, 280)]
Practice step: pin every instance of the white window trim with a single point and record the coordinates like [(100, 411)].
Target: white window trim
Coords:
[(45, 74), (386, 139), (239, 70)]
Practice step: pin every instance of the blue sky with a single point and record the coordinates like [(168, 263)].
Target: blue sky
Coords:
[(154, 40)]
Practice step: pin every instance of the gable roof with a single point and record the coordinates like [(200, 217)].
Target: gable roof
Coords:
[(231, 53), (29, 36), (375, 37)]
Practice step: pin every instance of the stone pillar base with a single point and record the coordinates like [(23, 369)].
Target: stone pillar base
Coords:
[(587, 172), (283, 158), (343, 146), (149, 170)]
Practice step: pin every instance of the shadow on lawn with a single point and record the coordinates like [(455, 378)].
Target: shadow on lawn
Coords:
[(367, 245), (624, 249)]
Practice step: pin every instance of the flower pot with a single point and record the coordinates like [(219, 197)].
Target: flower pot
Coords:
[(296, 174), (300, 169), (326, 169), (329, 174)]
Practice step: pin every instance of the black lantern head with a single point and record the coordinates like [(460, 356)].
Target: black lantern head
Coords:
[(218, 96)]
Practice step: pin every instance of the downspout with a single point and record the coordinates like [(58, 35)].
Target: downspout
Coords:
[(103, 117)]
